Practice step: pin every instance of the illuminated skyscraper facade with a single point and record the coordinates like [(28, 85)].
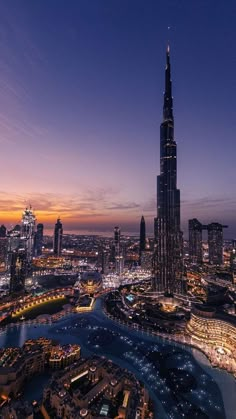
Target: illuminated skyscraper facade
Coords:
[(57, 239), (18, 271), (215, 243), (142, 237), (168, 250), (195, 240), (38, 240), (27, 233), (105, 256), (233, 257), (119, 258), (3, 250)]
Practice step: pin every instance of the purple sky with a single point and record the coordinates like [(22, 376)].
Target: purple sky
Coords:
[(81, 85)]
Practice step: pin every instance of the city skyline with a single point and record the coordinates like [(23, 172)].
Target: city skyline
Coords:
[(80, 105)]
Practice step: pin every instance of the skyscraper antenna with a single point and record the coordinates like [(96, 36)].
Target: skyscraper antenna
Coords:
[(168, 39)]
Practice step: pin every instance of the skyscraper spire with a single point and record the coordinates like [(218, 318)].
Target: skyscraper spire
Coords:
[(168, 100)]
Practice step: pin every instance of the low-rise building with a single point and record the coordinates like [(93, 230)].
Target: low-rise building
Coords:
[(61, 356), (18, 365), (95, 388), (206, 326), (215, 334)]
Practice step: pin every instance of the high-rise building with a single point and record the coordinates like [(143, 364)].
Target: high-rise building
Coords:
[(215, 243), (117, 236), (38, 240), (14, 238), (142, 237), (21, 251), (195, 240), (3, 231), (233, 260), (3, 251), (233, 257), (18, 271), (28, 232), (3, 246), (119, 258), (167, 272), (57, 240), (105, 256)]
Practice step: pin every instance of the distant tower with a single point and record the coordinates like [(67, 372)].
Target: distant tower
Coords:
[(27, 232), (38, 241), (105, 255), (119, 259), (117, 236), (168, 262), (195, 240), (14, 238), (215, 243), (142, 237), (233, 257), (3, 231), (3, 250), (18, 271), (13, 244), (3, 245), (57, 242)]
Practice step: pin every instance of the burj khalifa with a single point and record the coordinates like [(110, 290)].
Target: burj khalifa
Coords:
[(167, 272)]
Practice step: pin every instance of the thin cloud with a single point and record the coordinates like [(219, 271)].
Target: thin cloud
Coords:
[(208, 202), (127, 206)]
